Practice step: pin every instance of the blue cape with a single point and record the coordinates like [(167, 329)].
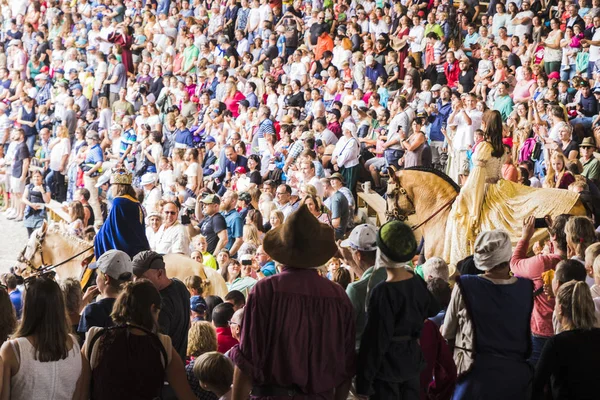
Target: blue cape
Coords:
[(124, 229)]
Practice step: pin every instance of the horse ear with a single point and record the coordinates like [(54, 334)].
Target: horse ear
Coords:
[(392, 172)]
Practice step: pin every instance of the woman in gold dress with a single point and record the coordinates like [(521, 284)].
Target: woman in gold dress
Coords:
[(488, 202)]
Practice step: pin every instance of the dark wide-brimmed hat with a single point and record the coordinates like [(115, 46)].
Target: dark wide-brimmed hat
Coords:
[(301, 241)]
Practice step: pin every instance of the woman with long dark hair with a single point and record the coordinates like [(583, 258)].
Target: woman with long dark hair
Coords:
[(133, 360), (42, 357), (487, 202)]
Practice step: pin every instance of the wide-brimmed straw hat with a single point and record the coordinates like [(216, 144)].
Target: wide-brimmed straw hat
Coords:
[(301, 241)]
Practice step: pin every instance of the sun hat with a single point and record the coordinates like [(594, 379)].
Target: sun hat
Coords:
[(588, 142), (301, 241), (104, 178), (148, 179)]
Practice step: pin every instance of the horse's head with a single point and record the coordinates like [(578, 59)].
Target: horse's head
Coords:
[(400, 205), (30, 258)]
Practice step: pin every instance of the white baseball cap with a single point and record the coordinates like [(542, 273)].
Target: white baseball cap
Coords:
[(113, 263), (363, 238)]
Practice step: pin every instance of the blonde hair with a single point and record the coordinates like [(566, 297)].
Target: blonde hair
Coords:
[(202, 338), (266, 208), (62, 132), (576, 305), (280, 216), (250, 235), (580, 234), (550, 181)]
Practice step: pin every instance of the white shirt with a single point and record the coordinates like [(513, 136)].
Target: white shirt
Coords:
[(173, 239), (595, 50), (347, 151), (58, 151), (522, 29), (105, 46), (297, 71), (416, 32)]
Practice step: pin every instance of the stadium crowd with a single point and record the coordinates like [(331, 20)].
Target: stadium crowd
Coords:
[(223, 131)]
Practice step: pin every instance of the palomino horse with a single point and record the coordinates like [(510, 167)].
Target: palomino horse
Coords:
[(424, 198), (49, 246)]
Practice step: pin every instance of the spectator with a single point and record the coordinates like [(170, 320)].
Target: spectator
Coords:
[(386, 328), (8, 317), (41, 350), (151, 354), (575, 309), (220, 318), (174, 319), (215, 372), (114, 269), (202, 339), (337, 343), (492, 255), (233, 221), (236, 299), (172, 236)]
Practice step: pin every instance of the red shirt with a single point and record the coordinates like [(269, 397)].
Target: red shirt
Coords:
[(452, 71), (224, 340)]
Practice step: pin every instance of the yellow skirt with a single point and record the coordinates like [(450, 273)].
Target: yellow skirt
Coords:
[(505, 205)]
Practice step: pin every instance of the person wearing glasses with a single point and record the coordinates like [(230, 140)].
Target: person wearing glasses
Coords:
[(172, 236)]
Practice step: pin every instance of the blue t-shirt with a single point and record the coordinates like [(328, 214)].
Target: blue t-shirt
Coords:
[(96, 314), (235, 227), (341, 210), (16, 298)]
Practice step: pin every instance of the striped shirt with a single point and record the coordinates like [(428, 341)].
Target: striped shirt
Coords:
[(128, 138), (439, 50)]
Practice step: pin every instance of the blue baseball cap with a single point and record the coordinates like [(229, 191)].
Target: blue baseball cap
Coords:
[(209, 139), (197, 304)]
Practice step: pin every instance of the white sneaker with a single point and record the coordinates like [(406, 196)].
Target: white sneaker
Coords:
[(10, 212)]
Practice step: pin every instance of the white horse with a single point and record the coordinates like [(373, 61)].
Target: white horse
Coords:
[(49, 245)]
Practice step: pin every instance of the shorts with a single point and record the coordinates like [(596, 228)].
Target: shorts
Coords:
[(463, 163), (16, 185)]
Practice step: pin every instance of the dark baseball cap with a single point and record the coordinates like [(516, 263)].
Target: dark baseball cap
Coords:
[(146, 260), (335, 112)]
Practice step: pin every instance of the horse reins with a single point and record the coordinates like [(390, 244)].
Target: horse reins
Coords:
[(46, 268)]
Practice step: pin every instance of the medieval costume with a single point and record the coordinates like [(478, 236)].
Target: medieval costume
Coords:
[(488, 321), (124, 229), (390, 359), (298, 328), (488, 202)]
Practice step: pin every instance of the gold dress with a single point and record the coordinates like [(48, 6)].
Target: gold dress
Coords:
[(487, 202)]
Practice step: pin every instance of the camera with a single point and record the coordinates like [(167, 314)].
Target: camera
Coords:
[(246, 262)]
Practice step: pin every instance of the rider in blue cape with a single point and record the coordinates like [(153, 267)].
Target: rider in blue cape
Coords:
[(124, 229)]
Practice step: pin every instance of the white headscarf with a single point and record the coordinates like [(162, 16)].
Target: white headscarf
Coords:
[(492, 248), (383, 261)]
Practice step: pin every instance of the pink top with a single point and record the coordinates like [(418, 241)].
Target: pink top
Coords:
[(521, 90), (232, 103), (532, 268)]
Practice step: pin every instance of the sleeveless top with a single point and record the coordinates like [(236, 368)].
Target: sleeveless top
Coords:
[(493, 336), (29, 117), (419, 156), (125, 365), (53, 380)]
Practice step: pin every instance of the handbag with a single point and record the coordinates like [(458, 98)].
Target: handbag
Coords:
[(537, 151)]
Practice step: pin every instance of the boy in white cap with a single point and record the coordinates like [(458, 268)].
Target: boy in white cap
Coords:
[(113, 270)]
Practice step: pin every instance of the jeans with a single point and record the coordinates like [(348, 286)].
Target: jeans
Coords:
[(566, 75), (56, 182), (30, 140), (537, 345), (585, 121)]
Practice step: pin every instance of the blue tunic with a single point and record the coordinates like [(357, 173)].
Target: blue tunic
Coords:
[(501, 317), (124, 229)]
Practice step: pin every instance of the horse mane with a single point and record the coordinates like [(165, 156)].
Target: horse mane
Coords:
[(438, 173), (55, 228)]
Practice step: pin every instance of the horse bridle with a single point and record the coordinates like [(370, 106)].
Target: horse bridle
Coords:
[(399, 214), (44, 268)]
